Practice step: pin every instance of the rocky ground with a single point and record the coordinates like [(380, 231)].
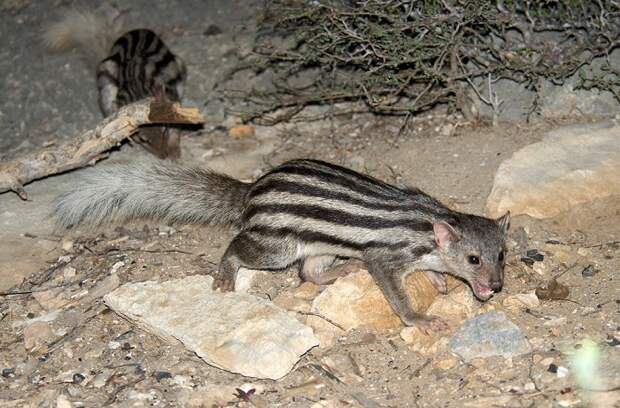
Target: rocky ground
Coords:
[(550, 338)]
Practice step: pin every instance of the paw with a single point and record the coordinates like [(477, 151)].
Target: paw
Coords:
[(427, 324), (223, 285)]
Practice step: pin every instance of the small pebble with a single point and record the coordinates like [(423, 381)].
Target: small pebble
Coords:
[(64, 259), (562, 372), (212, 29), (100, 380), (535, 255), (161, 375), (78, 378), (113, 345), (118, 265), (552, 368), (67, 244), (8, 372), (589, 271), (124, 336), (527, 261), (611, 341), (69, 272)]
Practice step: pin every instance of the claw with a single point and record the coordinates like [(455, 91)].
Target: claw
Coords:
[(223, 285)]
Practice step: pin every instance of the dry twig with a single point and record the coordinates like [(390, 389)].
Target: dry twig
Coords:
[(92, 145), (402, 57)]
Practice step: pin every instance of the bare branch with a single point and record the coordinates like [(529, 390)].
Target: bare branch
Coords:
[(92, 145)]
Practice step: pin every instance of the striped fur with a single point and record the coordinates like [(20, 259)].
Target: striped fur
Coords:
[(301, 211), (129, 67), (141, 65)]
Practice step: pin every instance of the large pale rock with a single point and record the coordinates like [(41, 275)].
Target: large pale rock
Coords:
[(570, 166), (246, 278), (355, 300), (233, 331)]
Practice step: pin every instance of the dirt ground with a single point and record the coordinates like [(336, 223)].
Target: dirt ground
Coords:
[(92, 357)]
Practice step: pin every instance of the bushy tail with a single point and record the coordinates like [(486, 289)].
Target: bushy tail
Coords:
[(160, 191), (92, 34)]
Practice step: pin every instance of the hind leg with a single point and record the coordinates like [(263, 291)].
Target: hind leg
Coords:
[(173, 143), (253, 252), (319, 269), (314, 268)]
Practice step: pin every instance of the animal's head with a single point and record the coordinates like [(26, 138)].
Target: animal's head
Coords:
[(474, 249)]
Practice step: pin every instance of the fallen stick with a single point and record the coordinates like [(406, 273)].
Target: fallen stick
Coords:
[(93, 144)]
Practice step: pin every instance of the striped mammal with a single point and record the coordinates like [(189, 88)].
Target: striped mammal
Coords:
[(307, 212), (129, 67)]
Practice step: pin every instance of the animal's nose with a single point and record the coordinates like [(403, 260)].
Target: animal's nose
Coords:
[(496, 285)]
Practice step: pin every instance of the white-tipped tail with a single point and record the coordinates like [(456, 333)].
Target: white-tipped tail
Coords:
[(90, 33), (154, 190)]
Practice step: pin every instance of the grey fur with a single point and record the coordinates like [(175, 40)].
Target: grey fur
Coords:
[(309, 212), (91, 33), (152, 190)]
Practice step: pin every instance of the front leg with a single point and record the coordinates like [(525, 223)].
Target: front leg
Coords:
[(438, 280), (390, 278)]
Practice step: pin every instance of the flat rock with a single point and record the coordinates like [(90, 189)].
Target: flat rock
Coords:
[(572, 165), (487, 335), (246, 278), (233, 331)]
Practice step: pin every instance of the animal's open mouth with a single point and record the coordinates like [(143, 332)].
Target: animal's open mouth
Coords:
[(482, 291)]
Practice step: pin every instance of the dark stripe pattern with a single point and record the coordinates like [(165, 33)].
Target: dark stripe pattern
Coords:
[(339, 217), (142, 66), (309, 237), (318, 202)]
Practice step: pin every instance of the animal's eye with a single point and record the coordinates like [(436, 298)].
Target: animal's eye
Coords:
[(500, 257), (473, 259)]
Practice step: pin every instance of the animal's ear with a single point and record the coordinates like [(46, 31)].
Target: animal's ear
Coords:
[(445, 234), (504, 221)]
